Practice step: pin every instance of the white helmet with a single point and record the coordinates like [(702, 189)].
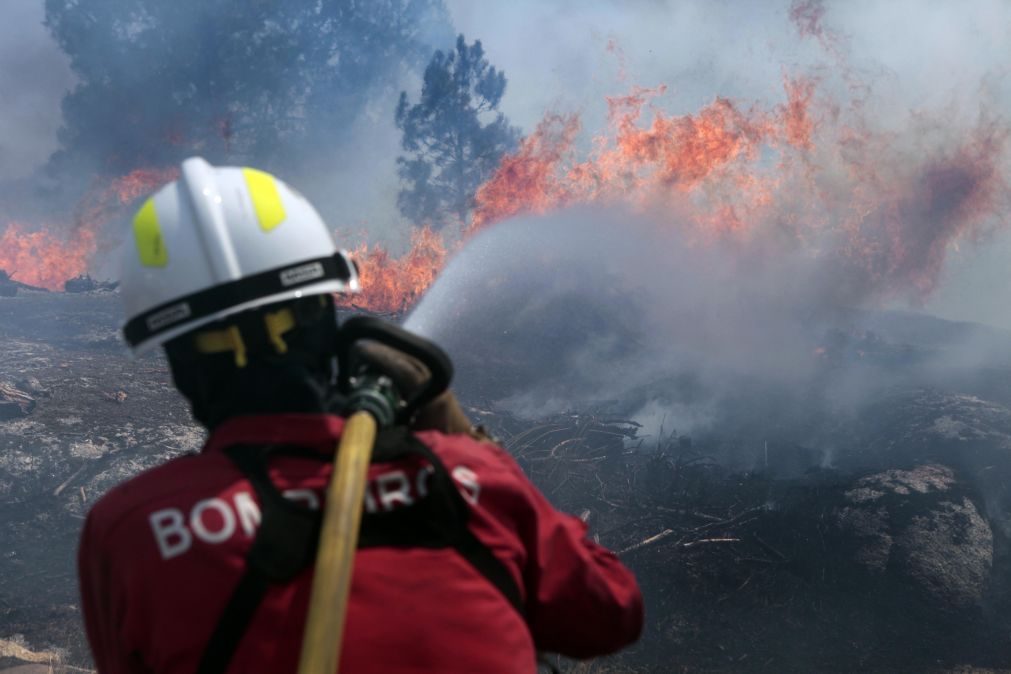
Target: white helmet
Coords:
[(218, 241)]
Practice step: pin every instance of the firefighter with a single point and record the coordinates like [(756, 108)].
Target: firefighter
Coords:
[(204, 564)]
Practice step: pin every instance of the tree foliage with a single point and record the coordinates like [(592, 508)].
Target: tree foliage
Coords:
[(453, 137), (254, 81)]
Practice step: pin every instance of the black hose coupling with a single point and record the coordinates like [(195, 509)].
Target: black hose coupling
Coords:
[(375, 394)]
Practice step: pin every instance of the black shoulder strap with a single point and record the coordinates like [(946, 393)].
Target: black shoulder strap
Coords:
[(288, 535), (284, 545), (438, 520), (234, 621)]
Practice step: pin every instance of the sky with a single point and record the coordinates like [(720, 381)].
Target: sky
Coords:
[(919, 56)]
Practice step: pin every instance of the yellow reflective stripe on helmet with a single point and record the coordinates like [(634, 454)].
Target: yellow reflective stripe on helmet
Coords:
[(266, 199), (147, 235)]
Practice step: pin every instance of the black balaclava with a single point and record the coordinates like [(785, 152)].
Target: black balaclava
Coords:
[(301, 380)]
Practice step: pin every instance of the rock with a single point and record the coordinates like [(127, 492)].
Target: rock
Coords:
[(871, 527), (921, 525), (949, 553), (921, 480)]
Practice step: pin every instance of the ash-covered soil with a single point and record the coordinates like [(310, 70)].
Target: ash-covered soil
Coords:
[(97, 416), (786, 536)]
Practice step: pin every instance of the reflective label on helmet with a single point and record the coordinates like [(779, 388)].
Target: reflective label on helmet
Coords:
[(147, 234), (266, 199), (169, 316), (302, 274)]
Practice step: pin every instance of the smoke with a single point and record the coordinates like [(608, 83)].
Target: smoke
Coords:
[(303, 89), (923, 55), (728, 240), (932, 100), (33, 78), (623, 313), (581, 308)]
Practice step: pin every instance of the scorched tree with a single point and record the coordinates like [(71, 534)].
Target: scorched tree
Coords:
[(453, 137)]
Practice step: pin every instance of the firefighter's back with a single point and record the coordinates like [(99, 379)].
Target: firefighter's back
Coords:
[(177, 540)]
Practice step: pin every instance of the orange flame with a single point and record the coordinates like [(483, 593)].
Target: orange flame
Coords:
[(392, 284), (794, 177), (807, 16), (45, 258), (671, 157), (807, 174), (899, 228), (40, 258), (107, 201), (528, 181), (798, 127), (139, 183), (836, 191)]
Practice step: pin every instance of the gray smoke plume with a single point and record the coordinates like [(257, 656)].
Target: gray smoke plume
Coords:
[(616, 312)]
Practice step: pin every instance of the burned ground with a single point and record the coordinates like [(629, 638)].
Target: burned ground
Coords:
[(96, 418), (875, 540), (891, 571)]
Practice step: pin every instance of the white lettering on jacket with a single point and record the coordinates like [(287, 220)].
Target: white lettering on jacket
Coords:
[(393, 488), (198, 520), (216, 520), (467, 479), (249, 513), (170, 533)]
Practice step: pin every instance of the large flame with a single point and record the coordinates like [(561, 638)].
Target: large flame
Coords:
[(48, 256), (880, 210), (41, 258), (886, 209), (669, 159), (812, 175)]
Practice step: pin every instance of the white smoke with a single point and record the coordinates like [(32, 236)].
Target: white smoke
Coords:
[(617, 312), (582, 308)]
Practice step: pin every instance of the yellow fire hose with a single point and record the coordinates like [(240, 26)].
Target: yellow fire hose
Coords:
[(376, 403), (342, 516)]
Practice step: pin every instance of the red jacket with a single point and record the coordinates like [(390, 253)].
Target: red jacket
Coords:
[(161, 554)]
